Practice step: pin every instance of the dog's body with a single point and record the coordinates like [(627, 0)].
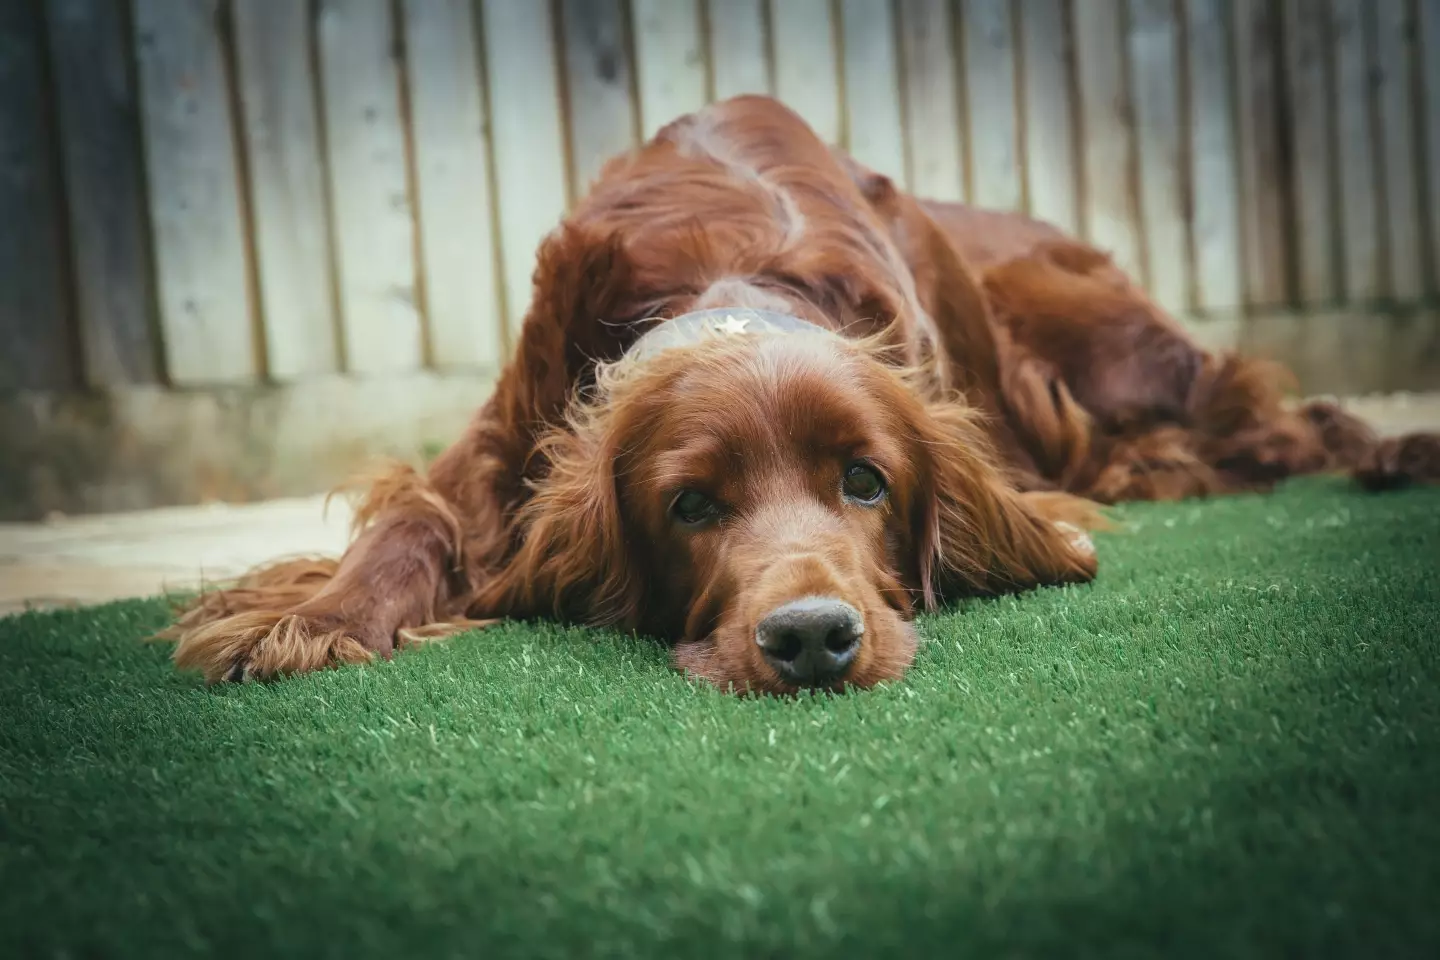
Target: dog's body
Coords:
[(778, 505)]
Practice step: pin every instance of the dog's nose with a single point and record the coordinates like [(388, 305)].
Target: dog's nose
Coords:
[(811, 641)]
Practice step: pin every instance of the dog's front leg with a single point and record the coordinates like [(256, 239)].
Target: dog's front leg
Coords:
[(398, 577)]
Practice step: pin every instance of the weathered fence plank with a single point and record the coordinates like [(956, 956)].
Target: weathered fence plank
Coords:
[(1107, 134), (669, 60), (1214, 197), (597, 73), (874, 126), (194, 194), (1395, 55), (529, 141), (927, 57), (369, 183), (1357, 142), (1305, 28), (451, 139), (1154, 47), (739, 49), (991, 104), (807, 72), (1047, 91), (1428, 32), (287, 188), (35, 333), (1264, 240), (96, 114)]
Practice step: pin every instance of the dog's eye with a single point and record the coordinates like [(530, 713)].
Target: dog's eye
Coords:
[(864, 483), (693, 507)]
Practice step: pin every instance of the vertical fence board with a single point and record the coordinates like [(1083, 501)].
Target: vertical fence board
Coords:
[(1048, 132), (807, 67), (1154, 48), (34, 318), (597, 72), (369, 183), (1428, 32), (739, 56), (874, 126), (97, 116), (452, 184), (670, 60), (1306, 55), (529, 140), (287, 187), (1107, 133), (1263, 214), (1214, 198), (1356, 139), (194, 192), (928, 65), (991, 104), (1395, 51)]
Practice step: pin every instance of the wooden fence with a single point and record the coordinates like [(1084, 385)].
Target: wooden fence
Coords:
[(198, 193)]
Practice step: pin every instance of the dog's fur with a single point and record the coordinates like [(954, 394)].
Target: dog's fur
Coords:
[(997, 374)]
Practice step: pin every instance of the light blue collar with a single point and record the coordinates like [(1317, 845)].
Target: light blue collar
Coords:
[(691, 328)]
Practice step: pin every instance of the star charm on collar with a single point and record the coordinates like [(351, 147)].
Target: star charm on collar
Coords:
[(731, 326)]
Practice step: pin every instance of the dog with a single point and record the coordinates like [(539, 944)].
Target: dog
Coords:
[(765, 406)]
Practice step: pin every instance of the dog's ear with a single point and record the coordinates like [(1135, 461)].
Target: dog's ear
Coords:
[(975, 534), (572, 560)]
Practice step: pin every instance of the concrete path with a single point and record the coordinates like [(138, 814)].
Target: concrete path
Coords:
[(68, 561)]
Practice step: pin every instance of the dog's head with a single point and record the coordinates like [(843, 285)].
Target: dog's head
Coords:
[(777, 506)]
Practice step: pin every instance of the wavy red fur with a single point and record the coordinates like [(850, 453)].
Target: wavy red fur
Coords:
[(992, 375)]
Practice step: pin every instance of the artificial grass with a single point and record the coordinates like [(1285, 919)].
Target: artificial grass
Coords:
[(1228, 745)]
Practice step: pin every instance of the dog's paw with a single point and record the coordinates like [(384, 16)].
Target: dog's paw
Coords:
[(257, 645), (1400, 461)]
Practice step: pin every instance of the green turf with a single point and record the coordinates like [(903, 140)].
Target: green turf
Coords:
[(1228, 745)]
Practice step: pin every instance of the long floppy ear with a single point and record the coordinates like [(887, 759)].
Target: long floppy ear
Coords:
[(572, 561), (976, 534)]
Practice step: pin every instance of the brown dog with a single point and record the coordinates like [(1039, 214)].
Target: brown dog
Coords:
[(849, 405)]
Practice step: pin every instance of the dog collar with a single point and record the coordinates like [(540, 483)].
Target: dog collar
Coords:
[(691, 328)]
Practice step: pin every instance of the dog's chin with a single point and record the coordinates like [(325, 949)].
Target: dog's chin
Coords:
[(726, 665)]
